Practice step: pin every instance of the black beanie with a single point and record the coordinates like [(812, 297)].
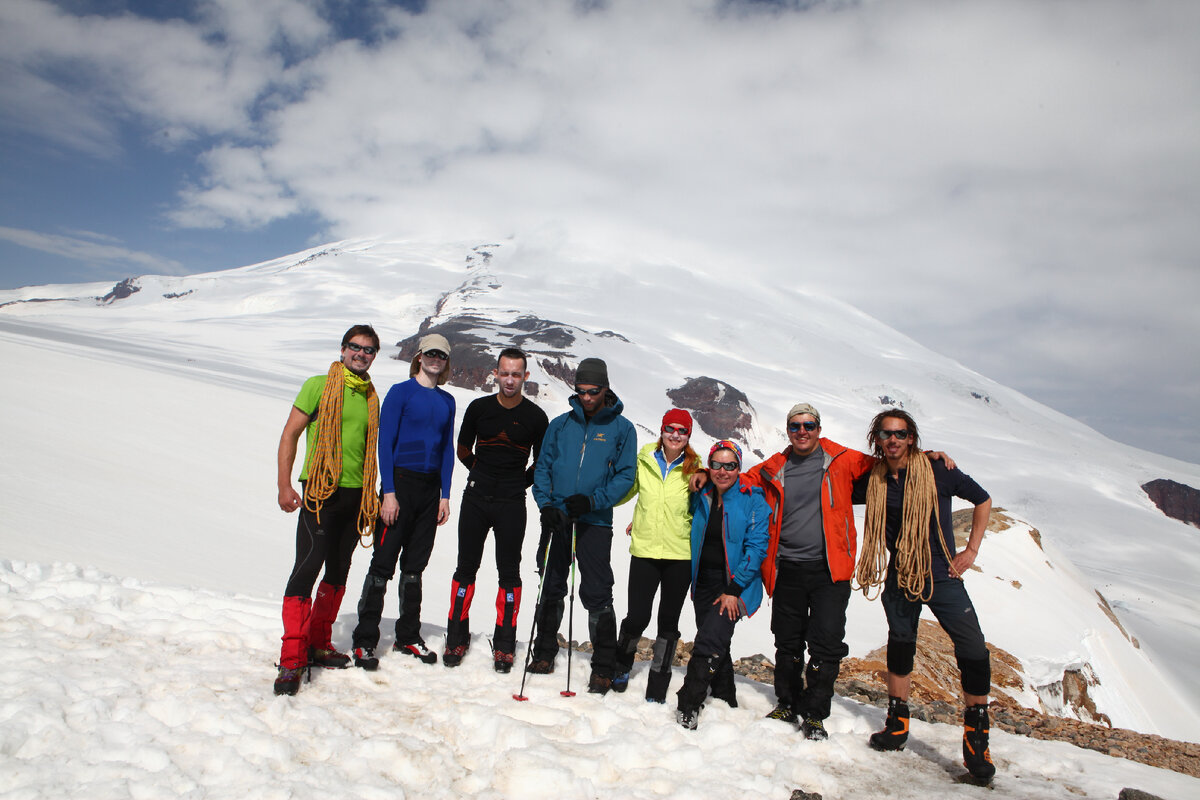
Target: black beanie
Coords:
[(592, 371)]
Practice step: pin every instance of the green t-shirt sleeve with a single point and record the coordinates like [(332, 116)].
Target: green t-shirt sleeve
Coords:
[(310, 394)]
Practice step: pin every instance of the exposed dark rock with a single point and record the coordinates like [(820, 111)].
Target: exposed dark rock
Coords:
[(800, 794), (612, 335), (41, 300), (476, 341), (122, 290), (721, 410), (985, 398), (888, 400), (1136, 794), (1176, 500), (177, 295)]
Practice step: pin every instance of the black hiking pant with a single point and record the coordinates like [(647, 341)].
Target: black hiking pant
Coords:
[(328, 542), (808, 612), (408, 540)]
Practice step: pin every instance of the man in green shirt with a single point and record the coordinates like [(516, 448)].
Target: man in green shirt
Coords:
[(337, 500)]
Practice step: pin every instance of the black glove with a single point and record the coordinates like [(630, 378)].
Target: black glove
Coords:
[(578, 505), (553, 519)]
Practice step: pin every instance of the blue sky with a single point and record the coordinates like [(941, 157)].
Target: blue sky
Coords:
[(1014, 183)]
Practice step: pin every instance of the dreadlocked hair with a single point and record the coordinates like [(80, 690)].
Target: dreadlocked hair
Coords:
[(913, 558), (325, 469)]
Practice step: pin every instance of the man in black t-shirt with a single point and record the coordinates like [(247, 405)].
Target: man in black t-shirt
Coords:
[(498, 436)]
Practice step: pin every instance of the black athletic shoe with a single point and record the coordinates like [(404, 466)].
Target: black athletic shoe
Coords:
[(620, 682), (453, 655), (541, 667), (976, 756), (327, 657), (814, 729), (783, 713), (288, 681), (365, 658), (598, 684), (502, 662), (894, 735), (417, 650)]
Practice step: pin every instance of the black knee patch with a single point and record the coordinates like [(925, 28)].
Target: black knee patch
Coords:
[(900, 657), (976, 675)]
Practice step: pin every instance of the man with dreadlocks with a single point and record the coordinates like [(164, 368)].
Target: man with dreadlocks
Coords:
[(908, 517), (416, 456), (340, 411)]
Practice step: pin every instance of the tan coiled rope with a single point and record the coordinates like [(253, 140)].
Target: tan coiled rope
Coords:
[(913, 559), (325, 469)]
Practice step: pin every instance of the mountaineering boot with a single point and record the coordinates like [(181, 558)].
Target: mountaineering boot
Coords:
[(545, 644), (723, 686), (789, 687), (602, 628), (408, 624), (814, 729), (659, 678), (626, 650), (327, 657), (976, 756), (783, 712), (288, 681), (700, 671), (365, 658), (508, 603), (895, 729), (458, 623), (325, 608), (598, 684), (502, 662), (417, 650), (819, 689), (293, 653)]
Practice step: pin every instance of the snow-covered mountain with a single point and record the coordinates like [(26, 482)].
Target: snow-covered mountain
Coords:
[(140, 436)]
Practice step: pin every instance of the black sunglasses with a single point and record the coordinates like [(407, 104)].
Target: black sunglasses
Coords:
[(438, 354), (589, 392), (361, 348), (729, 466), (807, 425), (883, 436)]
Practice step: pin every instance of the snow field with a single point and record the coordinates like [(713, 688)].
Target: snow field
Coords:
[(123, 688)]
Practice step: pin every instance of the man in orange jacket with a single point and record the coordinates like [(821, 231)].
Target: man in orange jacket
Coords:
[(810, 560), (809, 564)]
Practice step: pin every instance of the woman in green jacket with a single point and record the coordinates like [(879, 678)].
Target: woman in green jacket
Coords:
[(661, 551)]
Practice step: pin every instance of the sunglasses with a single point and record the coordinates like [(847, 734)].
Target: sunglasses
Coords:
[(883, 436), (435, 354), (590, 392), (729, 466), (677, 430), (359, 348), (794, 427)]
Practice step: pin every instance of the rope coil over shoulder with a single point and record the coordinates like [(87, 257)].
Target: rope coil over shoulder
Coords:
[(326, 467), (913, 558)]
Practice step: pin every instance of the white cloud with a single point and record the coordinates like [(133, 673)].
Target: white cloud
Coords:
[(1006, 181), (91, 252)]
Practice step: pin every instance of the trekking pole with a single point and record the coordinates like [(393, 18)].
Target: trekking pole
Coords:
[(571, 616), (537, 612)]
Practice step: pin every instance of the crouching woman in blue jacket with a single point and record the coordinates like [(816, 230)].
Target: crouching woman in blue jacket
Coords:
[(729, 543)]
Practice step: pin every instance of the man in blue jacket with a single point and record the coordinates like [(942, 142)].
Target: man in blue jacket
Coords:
[(587, 464)]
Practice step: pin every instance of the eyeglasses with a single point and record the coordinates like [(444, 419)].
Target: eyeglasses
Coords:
[(676, 430), (730, 466), (883, 436), (361, 348), (794, 427), (437, 354), (595, 390)]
